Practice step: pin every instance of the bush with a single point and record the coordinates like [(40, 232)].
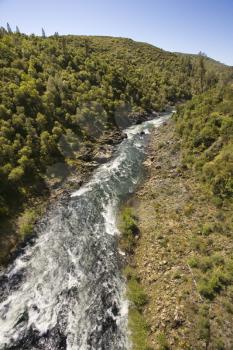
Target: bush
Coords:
[(137, 298), (188, 209), (204, 328), (216, 273), (16, 174), (228, 306), (207, 228), (206, 263), (128, 228), (129, 273), (129, 222), (162, 342), (193, 262), (4, 210), (26, 222), (219, 344), (213, 284), (138, 329), (136, 293), (200, 244)]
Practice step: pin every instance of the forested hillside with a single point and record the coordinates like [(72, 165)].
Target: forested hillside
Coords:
[(180, 273), (205, 125), (60, 97), (59, 92)]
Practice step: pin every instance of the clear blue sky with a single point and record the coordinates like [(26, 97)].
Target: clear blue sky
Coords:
[(174, 25)]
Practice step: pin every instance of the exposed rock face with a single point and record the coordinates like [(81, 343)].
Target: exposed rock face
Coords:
[(103, 154), (113, 138), (126, 119), (140, 117), (86, 154)]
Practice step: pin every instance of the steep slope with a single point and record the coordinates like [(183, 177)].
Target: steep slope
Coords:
[(184, 214), (205, 125), (58, 95)]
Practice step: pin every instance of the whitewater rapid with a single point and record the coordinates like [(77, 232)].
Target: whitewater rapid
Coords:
[(66, 290)]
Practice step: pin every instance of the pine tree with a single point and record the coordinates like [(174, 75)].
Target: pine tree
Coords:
[(3, 31), (202, 71), (8, 28), (87, 47), (43, 33)]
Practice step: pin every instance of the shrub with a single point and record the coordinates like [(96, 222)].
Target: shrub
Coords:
[(136, 293), (162, 342), (193, 262), (26, 222), (217, 201), (210, 285), (219, 344), (207, 228), (4, 211), (137, 297), (16, 174), (129, 273), (138, 329), (129, 222), (204, 328), (128, 228), (205, 263), (188, 209), (199, 244), (228, 306)]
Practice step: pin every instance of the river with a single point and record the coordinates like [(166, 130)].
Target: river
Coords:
[(66, 291)]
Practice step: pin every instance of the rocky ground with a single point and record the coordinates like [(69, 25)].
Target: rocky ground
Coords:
[(171, 208)]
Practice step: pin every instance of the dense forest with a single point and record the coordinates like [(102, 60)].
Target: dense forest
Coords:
[(59, 92), (62, 94), (205, 125)]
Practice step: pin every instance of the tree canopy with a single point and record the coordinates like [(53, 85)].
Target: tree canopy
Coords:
[(58, 86)]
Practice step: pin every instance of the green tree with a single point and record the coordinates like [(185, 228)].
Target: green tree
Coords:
[(16, 174), (9, 28)]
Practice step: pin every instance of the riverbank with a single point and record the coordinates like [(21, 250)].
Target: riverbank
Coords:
[(60, 180), (182, 254)]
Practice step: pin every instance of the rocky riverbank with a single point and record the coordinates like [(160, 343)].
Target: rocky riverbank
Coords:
[(88, 158), (179, 259)]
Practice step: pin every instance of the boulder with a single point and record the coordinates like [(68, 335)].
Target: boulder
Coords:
[(103, 154), (113, 138), (140, 117)]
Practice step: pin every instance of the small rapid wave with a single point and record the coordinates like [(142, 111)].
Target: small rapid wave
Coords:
[(66, 291)]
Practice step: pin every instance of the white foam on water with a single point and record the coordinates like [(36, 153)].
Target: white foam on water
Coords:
[(109, 214), (101, 174), (72, 269), (82, 190)]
